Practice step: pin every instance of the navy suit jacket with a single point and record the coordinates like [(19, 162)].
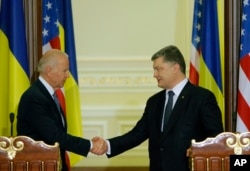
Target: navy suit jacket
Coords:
[(195, 115), (39, 118)]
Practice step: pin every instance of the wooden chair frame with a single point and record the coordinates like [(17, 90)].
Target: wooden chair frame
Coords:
[(22, 153), (213, 154)]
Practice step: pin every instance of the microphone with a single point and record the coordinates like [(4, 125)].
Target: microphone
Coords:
[(12, 117)]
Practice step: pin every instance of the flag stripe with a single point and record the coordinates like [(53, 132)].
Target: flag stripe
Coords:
[(243, 110), (194, 74), (243, 85), (12, 17), (4, 86), (194, 65), (244, 65), (66, 20), (210, 40)]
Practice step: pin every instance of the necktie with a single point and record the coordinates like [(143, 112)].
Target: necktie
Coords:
[(58, 107), (168, 109)]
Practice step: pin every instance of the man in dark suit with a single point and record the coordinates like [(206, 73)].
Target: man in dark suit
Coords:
[(40, 117), (195, 115)]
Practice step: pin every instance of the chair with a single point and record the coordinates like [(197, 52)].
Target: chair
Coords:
[(213, 154), (22, 153)]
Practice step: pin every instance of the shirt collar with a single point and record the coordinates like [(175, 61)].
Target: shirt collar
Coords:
[(178, 88), (47, 86)]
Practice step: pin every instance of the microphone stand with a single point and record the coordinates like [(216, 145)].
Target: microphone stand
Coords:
[(12, 117)]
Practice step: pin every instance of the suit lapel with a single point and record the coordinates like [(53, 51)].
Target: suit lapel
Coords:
[(160, 110), (48, 96), (179, 108)]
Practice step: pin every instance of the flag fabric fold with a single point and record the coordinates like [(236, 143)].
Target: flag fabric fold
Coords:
[(14, 64), (243, 98), (58, 33), (207, 58)]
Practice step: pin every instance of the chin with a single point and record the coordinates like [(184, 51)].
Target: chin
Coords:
[(159, 85)]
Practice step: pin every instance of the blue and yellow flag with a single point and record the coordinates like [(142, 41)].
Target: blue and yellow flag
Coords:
[(61, 36), (72, 94), (14, 65), (207, 58)]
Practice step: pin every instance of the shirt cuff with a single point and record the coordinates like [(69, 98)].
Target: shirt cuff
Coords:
[(91, 144), (109, 148)]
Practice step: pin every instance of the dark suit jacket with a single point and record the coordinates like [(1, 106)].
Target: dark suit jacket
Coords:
[(194, 116), (39, 118)]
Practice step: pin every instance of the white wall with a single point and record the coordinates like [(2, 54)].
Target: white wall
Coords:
[(122, 28), (115, 40)]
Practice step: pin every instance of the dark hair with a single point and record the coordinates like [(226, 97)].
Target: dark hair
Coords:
[(171, 54)]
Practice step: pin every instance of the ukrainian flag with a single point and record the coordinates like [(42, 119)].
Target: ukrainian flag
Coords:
[(71, 87), (207, 59), (14, 64)]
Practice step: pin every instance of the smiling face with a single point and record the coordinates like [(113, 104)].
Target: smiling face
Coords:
[(165, 73), (169, 67)]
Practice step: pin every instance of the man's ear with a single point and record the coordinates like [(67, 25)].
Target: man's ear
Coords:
[(48, 70), (176, 67)]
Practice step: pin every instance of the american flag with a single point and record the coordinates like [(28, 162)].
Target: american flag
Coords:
[(50, 24), (50, 33), (51, 40), (243, 103), (196, 43)]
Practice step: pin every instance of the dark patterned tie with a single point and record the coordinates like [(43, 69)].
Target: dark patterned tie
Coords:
[(168, 108)]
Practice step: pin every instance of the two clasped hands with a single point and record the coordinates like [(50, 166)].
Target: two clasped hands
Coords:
[(99, 146)]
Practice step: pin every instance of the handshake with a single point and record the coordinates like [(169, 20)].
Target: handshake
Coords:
[(100, 146)]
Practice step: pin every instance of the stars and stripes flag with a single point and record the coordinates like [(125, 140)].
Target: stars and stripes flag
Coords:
[(207, 50), (14, 63), (50, 25), (243, 98), (58, 33)]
